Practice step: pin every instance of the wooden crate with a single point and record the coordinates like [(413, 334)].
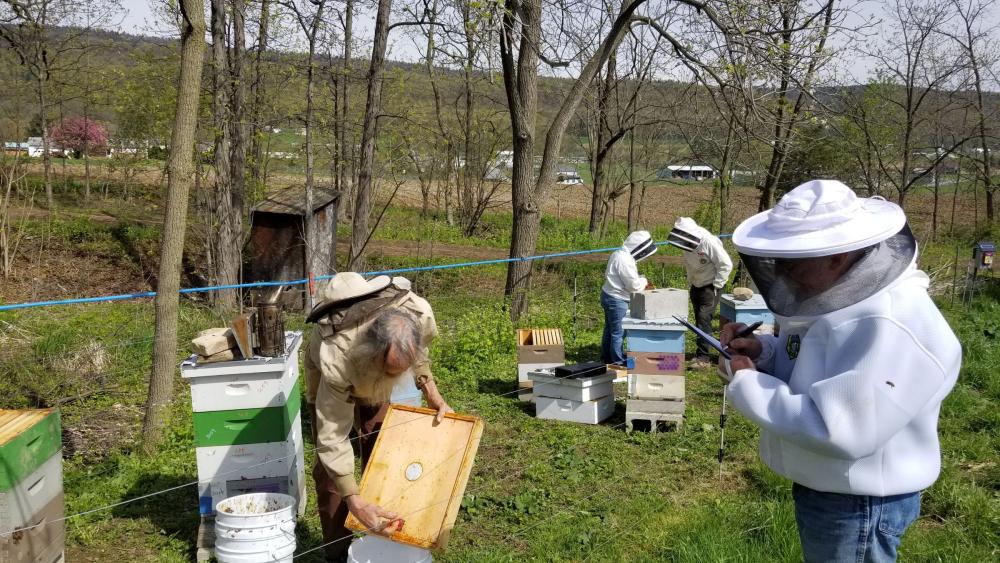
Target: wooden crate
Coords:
[(419, 471), (540, 346)]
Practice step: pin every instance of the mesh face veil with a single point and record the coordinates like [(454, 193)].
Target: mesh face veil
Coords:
[(685, 235), (794, 287)]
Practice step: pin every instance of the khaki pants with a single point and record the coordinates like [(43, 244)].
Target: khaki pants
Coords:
[(333, 512)]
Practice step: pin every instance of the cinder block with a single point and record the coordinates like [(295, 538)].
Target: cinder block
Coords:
[(647, 386), (654, 421), (659, 303), (663, 406), (524, 392)]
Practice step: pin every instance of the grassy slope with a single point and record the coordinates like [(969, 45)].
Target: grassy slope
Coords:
[(540, 490)]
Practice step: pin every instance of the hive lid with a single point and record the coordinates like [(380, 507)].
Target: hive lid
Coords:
[(190, 369), (632, 323), (755, 302), (419, 471), (15, 422)]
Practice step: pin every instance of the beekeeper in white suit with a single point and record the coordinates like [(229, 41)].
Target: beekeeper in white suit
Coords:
[(621, 280), (848, 396), (708, 266)]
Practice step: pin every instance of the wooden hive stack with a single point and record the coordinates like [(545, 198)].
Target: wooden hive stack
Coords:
[(537, 348), (746, 311), (31, 491), (656, 373), (579, 393), (247, 431)]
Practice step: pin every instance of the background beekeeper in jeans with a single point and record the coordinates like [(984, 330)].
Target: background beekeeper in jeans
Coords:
[(848, 396), (621, 279), (708, 267)]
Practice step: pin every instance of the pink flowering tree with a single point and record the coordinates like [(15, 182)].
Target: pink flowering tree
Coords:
[(79, 134)]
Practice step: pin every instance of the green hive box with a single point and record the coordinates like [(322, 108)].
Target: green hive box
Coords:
[(27, 439), (247, 426)]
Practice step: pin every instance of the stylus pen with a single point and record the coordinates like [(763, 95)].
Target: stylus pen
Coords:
[(749, 330)]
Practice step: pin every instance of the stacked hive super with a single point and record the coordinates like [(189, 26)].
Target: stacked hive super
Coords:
[(248, 427), (747, 308), (537, 348), (31, 492), (578, 393), (656, 352)]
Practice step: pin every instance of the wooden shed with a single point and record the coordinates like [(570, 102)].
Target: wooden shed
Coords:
[(277, 229)]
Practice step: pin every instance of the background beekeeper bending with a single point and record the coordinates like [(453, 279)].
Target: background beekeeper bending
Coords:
[(847, 397), (708, 267), (621, 279)]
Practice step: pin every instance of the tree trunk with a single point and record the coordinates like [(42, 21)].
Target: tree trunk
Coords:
[(369, 131), (598, 159), (174, 223), (86, 148), (238, 131), (310, 226), (227, 255), (345, 164), (934, 214), (46, 143), (521, 85), (257, 93)]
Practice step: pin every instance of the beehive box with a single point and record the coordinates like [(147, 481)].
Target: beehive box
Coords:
[(658, 303), (547, 384), (750, 311), (654, 335), (419, 470), (23, 501), (658, 363), (267, 465), (247, 426), (244, 384), (647, 386), (540, 346), (41, 541), (31, 488), (28, 438), (584, 412), (664, 406)]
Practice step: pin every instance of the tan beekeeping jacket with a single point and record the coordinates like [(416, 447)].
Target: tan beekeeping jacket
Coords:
[(337, 377)]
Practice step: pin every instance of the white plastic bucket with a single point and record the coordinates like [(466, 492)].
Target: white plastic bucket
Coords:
[(255, 528), (376, 549)]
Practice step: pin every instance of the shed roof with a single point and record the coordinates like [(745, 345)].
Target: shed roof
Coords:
[(292, 200), (690, 168)]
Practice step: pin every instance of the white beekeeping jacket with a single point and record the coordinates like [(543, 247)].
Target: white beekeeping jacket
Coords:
[(621, 277), (709, 263), (848, 401)]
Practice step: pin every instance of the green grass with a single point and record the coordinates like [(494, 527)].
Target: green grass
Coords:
[(540, 490)]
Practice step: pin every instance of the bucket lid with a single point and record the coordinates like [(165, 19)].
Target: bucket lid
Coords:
[(254, 504)]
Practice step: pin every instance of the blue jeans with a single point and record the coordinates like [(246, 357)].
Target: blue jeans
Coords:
[(611, 340), (852, 528)]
